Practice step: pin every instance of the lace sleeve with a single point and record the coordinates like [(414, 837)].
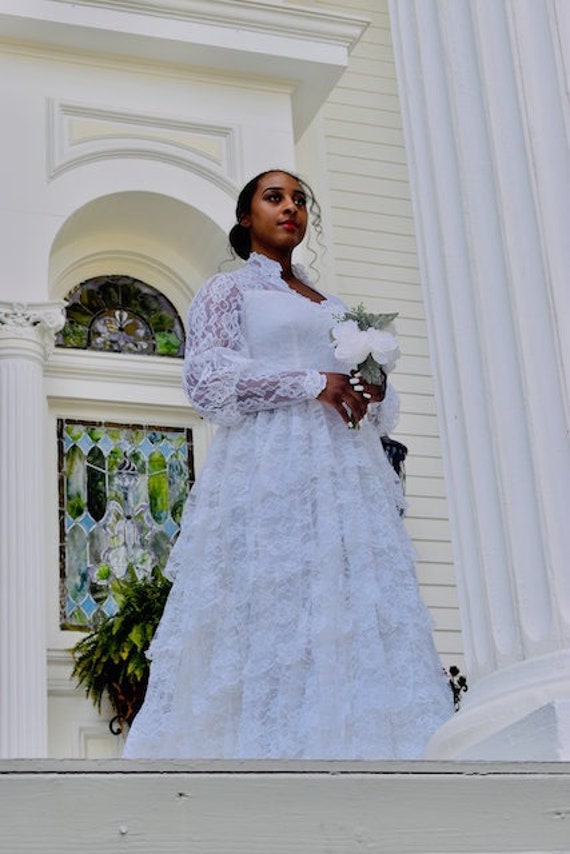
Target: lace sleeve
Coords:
[(385, 415), (222, 381)]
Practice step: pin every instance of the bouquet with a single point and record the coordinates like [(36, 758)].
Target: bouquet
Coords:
[(367, 341)]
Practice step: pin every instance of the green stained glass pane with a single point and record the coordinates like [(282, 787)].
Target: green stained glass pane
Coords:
[(96, 433), (122, 491), (121, 314), (138, 437), (167, 344), (91, 300), (96, 483), (74, 431), (158, 487), (74, 335), (139, 461), (79, 314), (115, 456), (177, 487), (76, 482), (77, 554)]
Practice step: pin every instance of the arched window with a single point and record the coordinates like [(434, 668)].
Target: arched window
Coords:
[(121, 314)]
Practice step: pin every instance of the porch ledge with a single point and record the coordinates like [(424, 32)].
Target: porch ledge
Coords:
[(283, 807)]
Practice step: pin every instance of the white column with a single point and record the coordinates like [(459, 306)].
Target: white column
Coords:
[(26, 336), (483, 86)]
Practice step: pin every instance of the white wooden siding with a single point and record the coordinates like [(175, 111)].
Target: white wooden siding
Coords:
[(374, 249)]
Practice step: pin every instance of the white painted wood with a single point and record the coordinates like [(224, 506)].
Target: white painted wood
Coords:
[(202, 33), (483, 101), (284, 808), (26, 337)]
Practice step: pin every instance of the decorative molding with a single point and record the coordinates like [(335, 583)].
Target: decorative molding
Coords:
[(90, 734), (131, 263), (301, 22), (60, 683), (32, 322), (89, 366), (78, 134)]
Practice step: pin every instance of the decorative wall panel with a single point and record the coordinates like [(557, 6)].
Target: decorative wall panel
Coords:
[(79, 134)]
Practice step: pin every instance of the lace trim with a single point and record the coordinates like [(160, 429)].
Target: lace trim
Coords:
[(385, 416), (221, 379)]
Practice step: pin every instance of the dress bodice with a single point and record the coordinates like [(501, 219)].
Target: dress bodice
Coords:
[(287, 331)]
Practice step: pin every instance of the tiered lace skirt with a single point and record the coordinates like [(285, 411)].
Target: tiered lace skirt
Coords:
[(294, 628)]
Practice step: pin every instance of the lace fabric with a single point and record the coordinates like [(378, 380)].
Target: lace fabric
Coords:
[(222, 380), (294, 628)]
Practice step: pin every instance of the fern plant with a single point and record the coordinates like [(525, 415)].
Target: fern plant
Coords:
[(111, 659)]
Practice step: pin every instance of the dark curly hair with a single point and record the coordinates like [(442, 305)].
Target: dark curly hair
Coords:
[(239, 236)]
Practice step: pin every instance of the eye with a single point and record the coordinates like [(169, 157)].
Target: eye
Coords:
[(301, 201), (273, 196)]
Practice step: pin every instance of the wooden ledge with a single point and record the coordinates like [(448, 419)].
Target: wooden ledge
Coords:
[(283, 807)]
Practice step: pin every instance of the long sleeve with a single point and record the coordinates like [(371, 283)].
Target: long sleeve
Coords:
[(222, 381)]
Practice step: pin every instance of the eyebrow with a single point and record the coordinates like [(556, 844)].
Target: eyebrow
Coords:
[(299, 190)]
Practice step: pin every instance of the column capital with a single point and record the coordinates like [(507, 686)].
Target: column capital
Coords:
[(28, 330)]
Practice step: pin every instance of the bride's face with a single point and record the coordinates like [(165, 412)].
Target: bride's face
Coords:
[(278, 216)]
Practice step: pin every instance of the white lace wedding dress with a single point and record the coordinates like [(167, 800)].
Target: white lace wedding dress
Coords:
[(294, 628)]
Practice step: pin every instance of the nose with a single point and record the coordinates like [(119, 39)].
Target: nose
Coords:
[(289, 205), (290, 208)]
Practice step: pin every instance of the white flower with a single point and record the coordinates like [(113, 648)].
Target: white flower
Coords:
[(354, 345), (351, 342), (383, 348)]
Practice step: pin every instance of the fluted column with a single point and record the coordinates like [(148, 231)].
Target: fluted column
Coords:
[(483, 87), (26, 337)]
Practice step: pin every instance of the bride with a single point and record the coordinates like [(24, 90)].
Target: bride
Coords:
[(294, 628)]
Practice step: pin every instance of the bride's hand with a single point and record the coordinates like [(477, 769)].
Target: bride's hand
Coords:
[(350, 396), (372, 393)]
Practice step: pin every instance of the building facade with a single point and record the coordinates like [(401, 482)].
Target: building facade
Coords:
[(129, 128), (130, 131)]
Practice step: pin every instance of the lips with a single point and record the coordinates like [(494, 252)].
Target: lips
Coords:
[(289, 225)]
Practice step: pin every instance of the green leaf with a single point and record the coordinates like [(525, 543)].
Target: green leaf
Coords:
[(366, 319), (138, 635), (371, 371), (111, 659)]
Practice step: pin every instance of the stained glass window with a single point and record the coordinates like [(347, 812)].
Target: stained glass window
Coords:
[(121, 314), (122, 490)]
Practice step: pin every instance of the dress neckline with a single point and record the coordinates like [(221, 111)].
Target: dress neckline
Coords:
[(273, 270)]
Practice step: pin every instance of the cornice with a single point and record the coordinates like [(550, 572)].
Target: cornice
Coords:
[(290, 20), (302, 46)]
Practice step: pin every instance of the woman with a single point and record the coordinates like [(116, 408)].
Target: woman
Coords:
[(294, 628)]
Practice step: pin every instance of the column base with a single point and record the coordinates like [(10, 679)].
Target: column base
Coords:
[(521, 713)]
